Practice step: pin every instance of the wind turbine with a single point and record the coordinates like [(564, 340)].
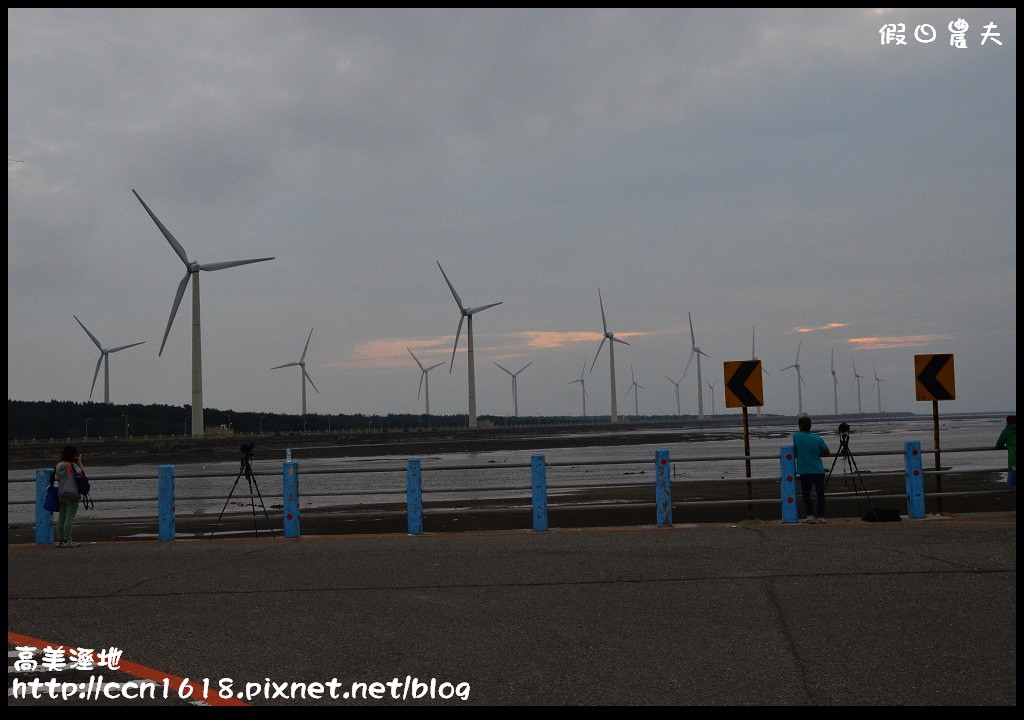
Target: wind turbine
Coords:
[(636, 388), (856, 380), (878, 387), (799, 379), (424, 379), (835, 383), (583, 386), (679, 407), (192, 269), (696, 351), (711, 394), (305, 376), (753, 356), (103, 360), (467, 315), (515, 392), (610, 336)]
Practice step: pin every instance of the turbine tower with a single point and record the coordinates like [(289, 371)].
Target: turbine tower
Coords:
[(856, 380), (635, 387), (799, 379), (103, 360), (424, 380), (305, 376), (835, 384), (515, 391), (192, 268), (695, 351), (583, 386), (878, 387), (466, 314), (610, 337), (679, 407)]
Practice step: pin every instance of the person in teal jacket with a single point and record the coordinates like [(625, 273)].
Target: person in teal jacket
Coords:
[(809, 449), (1008, 441)]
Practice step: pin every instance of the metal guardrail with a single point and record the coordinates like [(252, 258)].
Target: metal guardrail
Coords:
[(44, 522)]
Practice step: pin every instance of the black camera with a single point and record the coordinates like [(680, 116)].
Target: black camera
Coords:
[(843, 429), (247, 449)]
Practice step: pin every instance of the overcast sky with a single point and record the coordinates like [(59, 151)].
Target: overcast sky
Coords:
[(782, 176)]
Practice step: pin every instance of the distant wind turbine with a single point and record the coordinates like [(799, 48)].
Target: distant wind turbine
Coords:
[(515, 391), (695, 351), (192, 268), (711, 394), (424, 379), (583, 386), (878, 387), (799, 379), (466, 314), (104, 360), (636, 388), (835, 383), (610, 337), (304, 377), (753, 356), (679, 407), (856, 380)]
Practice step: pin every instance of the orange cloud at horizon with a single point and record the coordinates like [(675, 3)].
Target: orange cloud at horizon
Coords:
[(886, 343), (826, 326)]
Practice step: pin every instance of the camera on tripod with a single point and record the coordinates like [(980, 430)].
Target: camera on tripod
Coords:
[(247, 449), (844, 434)]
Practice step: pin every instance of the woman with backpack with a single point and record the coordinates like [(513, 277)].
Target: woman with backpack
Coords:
[(66, 475)]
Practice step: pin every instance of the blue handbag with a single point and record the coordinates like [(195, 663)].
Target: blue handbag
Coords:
[(51, 502)]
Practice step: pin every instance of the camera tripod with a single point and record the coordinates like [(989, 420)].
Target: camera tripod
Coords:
[(246, 469), (851, 467)]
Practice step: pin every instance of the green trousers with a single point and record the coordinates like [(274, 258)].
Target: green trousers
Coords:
[(66, 520)]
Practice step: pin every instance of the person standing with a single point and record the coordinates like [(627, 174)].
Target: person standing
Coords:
[(809, 448), (1008, 441), (66, 476)]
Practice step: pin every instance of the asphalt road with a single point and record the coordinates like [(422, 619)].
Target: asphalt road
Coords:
[(754, 612)]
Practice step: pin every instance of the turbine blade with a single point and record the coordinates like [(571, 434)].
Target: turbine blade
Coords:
[(306, 374), (174, 308), (230, 263), (96, 375), (97, 342), (604, 324), (303, 357), (285, 365), (124, 347), (701, 352), (417, 361), (458, 332), (420, 388), (787, 367), (615, 339), (597, 353), (433, 366), (525, 366), (692, 353), (505, 369), (166, 233), (799, 345), (693, 340), (451, 287), (473, 311)]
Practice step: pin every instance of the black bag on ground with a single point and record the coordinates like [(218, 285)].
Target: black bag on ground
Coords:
[(882, 515)]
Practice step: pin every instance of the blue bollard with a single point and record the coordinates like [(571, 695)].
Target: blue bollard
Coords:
[(165, 503), (787, 481), (414, 497), (538, 474), (290, 483), (44, 518), (915, 479), (663, 488)]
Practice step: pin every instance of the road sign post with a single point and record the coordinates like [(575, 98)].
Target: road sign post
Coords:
[(935, 380), (743, 388)]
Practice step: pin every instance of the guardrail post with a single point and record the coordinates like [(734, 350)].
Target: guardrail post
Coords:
[(414, 497), (787, 481), (44, 518), (915, 479), (663, 487), (538, 474), (290, 483), (165, 502)]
